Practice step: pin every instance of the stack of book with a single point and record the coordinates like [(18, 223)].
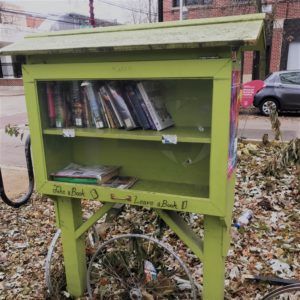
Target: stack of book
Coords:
[(111, 104), (107, 176)]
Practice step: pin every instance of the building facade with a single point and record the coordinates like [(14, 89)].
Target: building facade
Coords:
[(16, 23), (282, 28)]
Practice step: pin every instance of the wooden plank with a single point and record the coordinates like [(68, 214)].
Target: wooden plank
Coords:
[(184, 135)]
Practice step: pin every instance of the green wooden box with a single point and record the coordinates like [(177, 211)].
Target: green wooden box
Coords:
[(198, 66)]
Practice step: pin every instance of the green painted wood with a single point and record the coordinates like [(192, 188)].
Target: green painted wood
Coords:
[(233, 31), (70, 218), (146, 197), (214, 260), (220, 137), (184, 134), (93, 219), (37, 146), (183, 231), (202, 68)]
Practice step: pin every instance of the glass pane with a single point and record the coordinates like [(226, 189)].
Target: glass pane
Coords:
[(290, 78), (155, 131)]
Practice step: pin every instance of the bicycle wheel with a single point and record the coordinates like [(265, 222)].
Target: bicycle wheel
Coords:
[(289, 292), (136, 266), (54, 264)]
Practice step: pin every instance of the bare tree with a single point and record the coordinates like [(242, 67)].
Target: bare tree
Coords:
[(143, 11)]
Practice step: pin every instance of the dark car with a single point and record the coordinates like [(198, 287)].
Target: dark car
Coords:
[(281, 92)]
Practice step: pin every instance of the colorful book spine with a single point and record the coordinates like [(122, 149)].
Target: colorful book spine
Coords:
[(77, 106), (93, 103), (59, 106), (86, 111), (145, 108), (121, 105), (51, 105), (106, 96), (134, 98)]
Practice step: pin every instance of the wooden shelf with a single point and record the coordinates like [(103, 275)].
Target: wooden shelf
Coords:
[(171, 188), (184, 134)]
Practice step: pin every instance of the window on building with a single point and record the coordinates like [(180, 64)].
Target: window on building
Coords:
[(290, 78), (176, 3)]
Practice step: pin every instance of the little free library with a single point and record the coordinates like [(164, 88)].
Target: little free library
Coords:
[(140, 115)]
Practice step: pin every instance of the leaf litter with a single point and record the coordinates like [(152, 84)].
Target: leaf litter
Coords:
[(267, 183)]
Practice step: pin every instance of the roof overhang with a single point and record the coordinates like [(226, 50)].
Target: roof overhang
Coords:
[(233, 31)]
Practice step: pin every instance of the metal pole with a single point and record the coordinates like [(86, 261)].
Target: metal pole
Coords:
[(181, 10), (150, 17), (160, 11), (92, 17)]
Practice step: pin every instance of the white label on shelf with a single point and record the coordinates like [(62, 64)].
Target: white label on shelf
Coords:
[(68, 132), (169, 139), (127, 122), (99, 124), (78, 122)]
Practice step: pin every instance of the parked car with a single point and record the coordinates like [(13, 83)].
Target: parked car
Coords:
[(281, 92)]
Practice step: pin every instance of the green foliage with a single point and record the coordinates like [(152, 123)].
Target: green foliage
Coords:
[(14, 130)]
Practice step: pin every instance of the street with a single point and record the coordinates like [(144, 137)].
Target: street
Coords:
[(13, 111)]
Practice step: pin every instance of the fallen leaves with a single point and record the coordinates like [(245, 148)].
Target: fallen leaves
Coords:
[(269, 245)]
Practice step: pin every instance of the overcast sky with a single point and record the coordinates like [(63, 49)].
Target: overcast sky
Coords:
[(103, 9)]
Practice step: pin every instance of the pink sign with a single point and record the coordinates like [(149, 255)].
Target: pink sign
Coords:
[(249, 90)]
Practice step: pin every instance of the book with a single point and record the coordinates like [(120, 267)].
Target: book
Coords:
[(87, 118), (121, 105), (93, 104), (135, 100), (77, 105), (76, 180), (120, 182), (93, 174), (156, 107), (107, 112), (51, 104), (59, 106), (109, 102)]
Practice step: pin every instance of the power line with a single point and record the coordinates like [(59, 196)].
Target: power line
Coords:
[(126, 7), (40, 16)]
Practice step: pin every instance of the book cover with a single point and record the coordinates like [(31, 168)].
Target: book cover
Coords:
[(93, 104), (51, 104), (111, 106), (121, 105), (152, 97), (101, 173), (133, 97)]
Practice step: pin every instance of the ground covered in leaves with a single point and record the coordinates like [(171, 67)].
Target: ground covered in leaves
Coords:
[(268, 246)]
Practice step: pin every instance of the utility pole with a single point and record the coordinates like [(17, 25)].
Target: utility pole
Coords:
[(181, 10), (92, 17), (149, 11), (160, 8)]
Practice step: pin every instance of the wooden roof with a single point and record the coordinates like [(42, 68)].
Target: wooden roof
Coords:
[(243, 30)]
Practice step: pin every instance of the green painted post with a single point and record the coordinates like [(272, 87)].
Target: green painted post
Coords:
[(69, 217), (214, 258)]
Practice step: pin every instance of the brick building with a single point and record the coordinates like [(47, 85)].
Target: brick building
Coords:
[(282, 28)]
